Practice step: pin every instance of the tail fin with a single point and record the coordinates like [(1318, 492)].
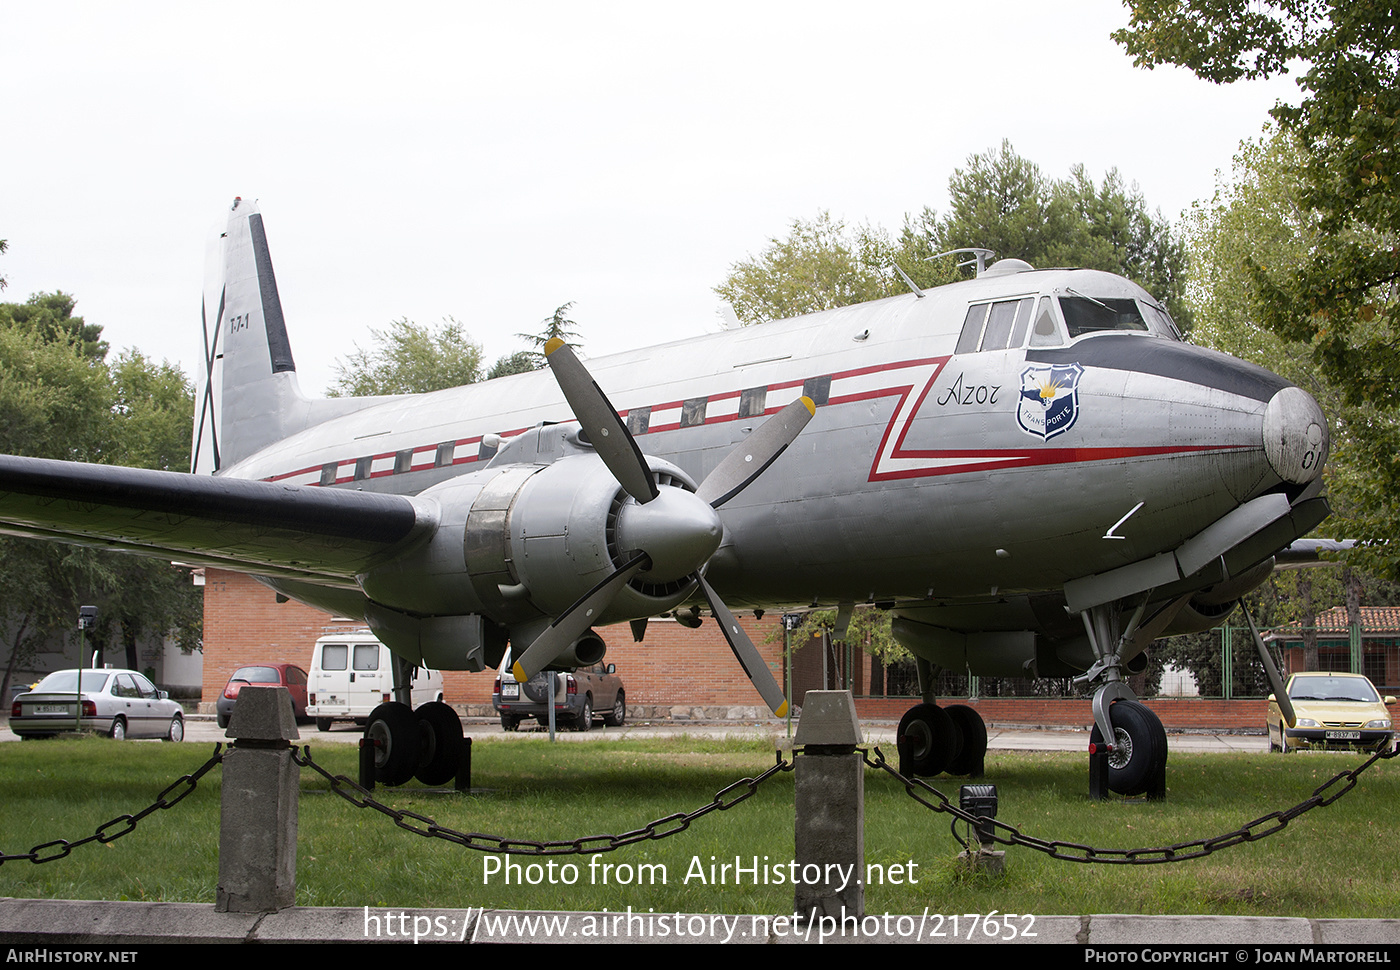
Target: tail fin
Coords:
[(248, 396)]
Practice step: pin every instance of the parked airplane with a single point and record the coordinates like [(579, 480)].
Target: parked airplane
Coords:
[(1030, 468)]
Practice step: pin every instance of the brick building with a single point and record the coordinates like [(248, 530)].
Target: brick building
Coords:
[(675, 668)]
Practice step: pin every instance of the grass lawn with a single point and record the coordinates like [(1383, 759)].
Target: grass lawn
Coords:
[(1341, 861)]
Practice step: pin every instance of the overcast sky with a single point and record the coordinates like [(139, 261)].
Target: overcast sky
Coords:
[(492, 161)]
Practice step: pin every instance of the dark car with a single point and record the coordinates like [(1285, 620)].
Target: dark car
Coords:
[(118, 703), (578, 697), (285, 675)]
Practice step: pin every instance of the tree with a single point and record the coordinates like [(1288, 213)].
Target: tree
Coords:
[(1340, 296), (520, 362), (556, 327), (1001, 201), (409, 358), (1247, 238), (51, 315), (59, 399), (821, 265)]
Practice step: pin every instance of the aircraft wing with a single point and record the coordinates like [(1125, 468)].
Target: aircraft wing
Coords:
[(321, 535)]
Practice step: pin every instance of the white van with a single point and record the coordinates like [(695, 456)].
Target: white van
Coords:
[(352, 674)]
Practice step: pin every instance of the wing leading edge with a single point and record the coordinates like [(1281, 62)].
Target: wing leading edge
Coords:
[(320, 535)]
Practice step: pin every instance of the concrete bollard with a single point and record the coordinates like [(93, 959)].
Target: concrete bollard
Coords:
[(258, 824), (830, 826)]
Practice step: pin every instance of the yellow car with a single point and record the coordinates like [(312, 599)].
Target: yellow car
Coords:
[(1333, 710)]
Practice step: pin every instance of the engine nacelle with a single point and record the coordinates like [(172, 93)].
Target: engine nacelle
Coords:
[(521, 541)]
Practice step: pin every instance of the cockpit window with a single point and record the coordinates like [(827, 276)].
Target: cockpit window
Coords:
[(995, 326), (1084, 314), (1160, 321)]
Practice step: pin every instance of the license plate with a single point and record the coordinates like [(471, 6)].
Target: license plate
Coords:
[(1343, 735), (510, 689), (51, 709)]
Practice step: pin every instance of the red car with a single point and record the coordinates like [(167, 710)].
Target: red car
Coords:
[(289, 676)]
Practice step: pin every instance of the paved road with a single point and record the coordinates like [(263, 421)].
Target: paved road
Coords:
[(202, 729)]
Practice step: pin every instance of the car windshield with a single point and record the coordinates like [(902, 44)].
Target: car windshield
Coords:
[(1333, 689), (66, 681)]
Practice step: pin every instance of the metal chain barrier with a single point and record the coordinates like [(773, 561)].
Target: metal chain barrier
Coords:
[(1259, 828), (422, 825), (122, 824)]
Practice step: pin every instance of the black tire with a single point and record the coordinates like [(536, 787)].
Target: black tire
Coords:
[(973, 751), (927, 739), (1140, 750), (509, 722), (395, 730), (618, 715), (324, 723), (118, 729), (176, 732), (222, 720), (584, 721), (439, 743)]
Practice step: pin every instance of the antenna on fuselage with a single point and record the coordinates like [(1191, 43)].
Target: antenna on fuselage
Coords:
[(979, 256)]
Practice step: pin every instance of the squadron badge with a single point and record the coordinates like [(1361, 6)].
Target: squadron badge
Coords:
[(1049, 402)]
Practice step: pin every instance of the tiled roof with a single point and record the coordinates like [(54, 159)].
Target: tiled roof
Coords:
[(1375, 620)]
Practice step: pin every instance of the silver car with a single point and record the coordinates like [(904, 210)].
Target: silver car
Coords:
[(118, 703)]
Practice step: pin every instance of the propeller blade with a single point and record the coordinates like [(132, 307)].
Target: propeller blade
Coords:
[(745, 652), (574, 622), (1285, 703), (598, 418), (756, 452)]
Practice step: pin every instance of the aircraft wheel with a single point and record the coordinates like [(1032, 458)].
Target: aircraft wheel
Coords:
[(927, 739), (394, 730), (1140, 747), (439, 743), (968, 760)]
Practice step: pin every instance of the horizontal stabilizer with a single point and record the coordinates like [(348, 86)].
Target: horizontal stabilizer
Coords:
[(326, 535)]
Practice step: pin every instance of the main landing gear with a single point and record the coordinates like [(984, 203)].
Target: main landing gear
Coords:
[(935, 739), (426, 743)]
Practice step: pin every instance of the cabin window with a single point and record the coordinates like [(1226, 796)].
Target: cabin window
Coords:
[(752, 402), (328, 473), (693, 412), (638, 420), (403, 461), (445, 451), (1084, 314), (362, 467), (818, 389)]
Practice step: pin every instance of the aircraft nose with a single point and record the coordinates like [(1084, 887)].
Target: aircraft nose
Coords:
[(1295, 436)]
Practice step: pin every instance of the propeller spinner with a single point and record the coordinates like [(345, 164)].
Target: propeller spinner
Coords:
[(668, 536)]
